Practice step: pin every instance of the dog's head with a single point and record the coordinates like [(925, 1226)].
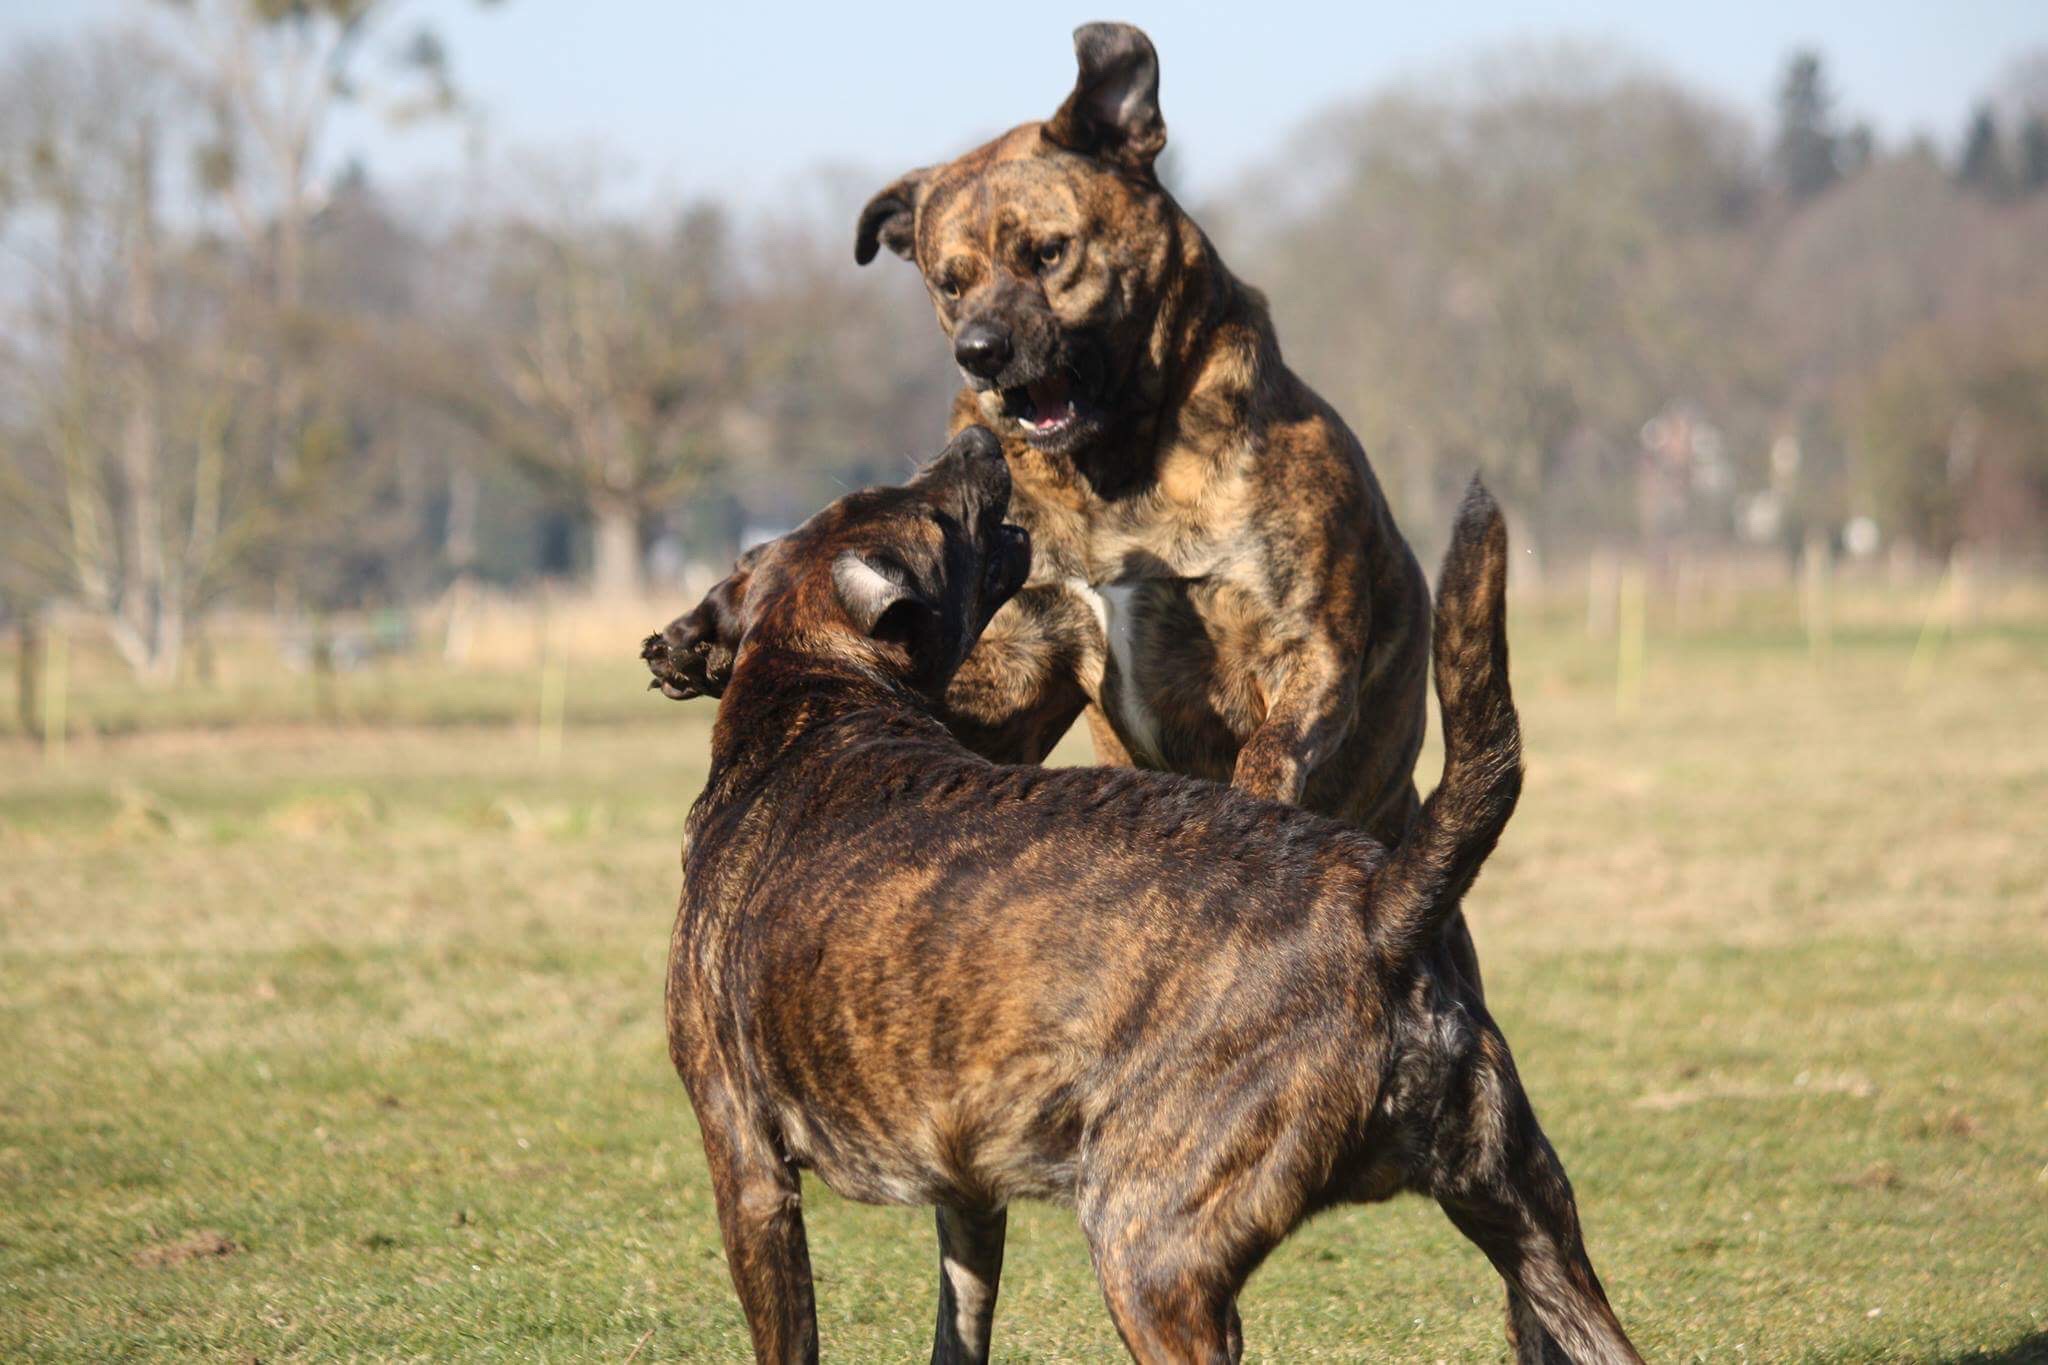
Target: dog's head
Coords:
[(693, 654), (900, 579), (1046, 251)]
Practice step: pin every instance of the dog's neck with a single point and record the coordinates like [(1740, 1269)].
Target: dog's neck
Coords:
[(1218, 346), (1204, 305), (781, 694)]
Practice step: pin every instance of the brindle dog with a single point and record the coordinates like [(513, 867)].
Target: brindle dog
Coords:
[(1216, 577), (1195, 1015)]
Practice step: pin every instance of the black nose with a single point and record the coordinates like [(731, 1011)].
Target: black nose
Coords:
[(977, 443), (974, 471), (982, 348)]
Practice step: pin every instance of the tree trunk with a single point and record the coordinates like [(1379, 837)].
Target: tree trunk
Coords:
[(149, 607), (458, 533), (615, 564)]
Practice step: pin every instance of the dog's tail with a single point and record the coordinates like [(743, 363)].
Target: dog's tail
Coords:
[(1426, 874)]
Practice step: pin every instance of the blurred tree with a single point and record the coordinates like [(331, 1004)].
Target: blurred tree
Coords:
[(130, 385), (1516, 279), (1981, 166), (373, 533), (1805, 151), (847, 378), (271, 76), (190, 397), (1954, 427), (226, 364), (1855, 151), (2034, 155), (608, 358)]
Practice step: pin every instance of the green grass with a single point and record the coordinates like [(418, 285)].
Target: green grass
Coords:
[(346, 1042)]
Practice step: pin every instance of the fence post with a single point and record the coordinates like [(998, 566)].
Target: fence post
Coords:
[(1813, 599), (1630, 649), (324, 708), (554, 686), (1600, 588), (28, 661), (1940, 620)]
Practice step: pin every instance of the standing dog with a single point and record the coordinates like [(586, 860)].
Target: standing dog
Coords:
[(1216, 577), (1196, 1016)]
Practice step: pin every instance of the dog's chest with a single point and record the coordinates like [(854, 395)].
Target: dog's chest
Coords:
[(1184, 674), (1193, 522), (1177, 580), (1118, 689)]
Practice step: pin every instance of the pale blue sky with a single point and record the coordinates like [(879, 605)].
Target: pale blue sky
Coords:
[(745, 99)]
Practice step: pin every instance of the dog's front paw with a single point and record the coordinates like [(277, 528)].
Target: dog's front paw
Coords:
[(672, 681), (686, 662)]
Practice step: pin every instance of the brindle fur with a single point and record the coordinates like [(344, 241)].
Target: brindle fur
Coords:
[(1194, 1015), (1216, 575)]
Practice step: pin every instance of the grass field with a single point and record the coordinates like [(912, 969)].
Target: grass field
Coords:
[(344, 1040)]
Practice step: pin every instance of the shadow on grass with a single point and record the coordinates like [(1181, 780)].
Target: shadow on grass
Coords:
[(2031, 1350)]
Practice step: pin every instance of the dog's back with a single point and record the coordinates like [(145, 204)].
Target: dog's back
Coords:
[(1195, 1015), (996, 953)]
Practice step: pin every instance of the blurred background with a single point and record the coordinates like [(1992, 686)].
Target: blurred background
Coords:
[(374, 374), (340, 330)]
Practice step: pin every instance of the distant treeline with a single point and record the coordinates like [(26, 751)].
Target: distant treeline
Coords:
[(229, 374)]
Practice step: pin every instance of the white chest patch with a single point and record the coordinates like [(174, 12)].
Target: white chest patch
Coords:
[(1120, 692)]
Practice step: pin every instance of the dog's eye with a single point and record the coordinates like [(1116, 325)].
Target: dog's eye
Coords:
[(1050, 253), (951, 289)]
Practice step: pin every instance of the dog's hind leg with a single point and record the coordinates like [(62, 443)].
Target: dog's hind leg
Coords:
[(1502, 1185), (970, 1267), (1557, 1311), (1170, 1284), (760, 1215), (1528, 1342), (1167, 1314)]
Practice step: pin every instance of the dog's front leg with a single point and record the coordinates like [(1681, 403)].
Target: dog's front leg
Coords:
[(1020, 688), (970, 1267), (1109, 750), (1306, 719)]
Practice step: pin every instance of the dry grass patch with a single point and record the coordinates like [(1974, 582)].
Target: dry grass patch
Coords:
[(346, 1042)]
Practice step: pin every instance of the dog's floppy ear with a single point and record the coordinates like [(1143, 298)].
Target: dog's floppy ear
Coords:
[(890, 219), (1113, 112), (878, 599)]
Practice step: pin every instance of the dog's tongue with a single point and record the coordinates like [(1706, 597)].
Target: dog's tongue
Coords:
[(1051, 400)]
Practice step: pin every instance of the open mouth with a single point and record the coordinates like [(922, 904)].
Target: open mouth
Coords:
[(1047, 406)]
